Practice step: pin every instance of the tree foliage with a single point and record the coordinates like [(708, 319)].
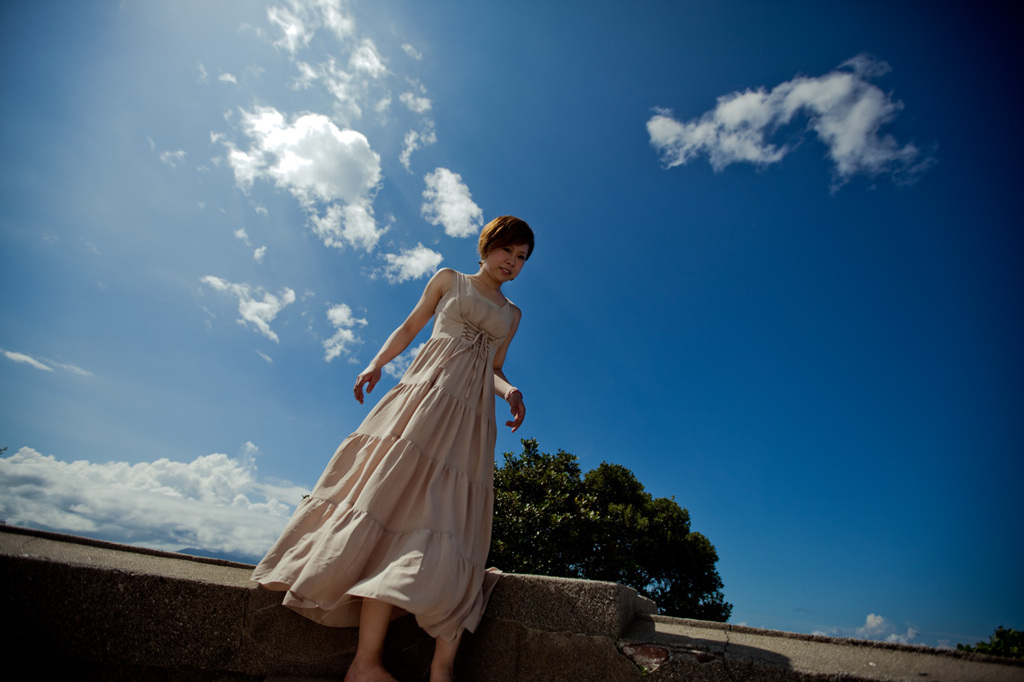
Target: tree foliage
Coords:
[(1005, 642), (550, 519)]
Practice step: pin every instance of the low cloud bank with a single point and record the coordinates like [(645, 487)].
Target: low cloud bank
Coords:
[(215, 502)]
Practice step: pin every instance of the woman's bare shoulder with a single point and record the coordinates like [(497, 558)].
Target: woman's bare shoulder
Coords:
[(442, 281), (517, 314)]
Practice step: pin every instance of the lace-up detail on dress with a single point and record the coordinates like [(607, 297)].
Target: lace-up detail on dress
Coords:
[(478, 348)]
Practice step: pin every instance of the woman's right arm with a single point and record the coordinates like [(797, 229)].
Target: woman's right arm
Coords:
[(400, 339)]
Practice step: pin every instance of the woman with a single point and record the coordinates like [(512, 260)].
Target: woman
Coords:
[(400, 521)]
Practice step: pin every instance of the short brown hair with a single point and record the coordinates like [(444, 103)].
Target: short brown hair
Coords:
[(505, 231)]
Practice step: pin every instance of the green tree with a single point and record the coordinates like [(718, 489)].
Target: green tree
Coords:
[(539, 503), (1008, 643), (549, 519)]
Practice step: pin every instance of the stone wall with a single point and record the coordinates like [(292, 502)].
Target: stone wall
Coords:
[(83, 609)]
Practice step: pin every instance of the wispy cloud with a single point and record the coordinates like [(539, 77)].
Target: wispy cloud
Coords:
[(214, 502), (354, 83), (73, 369), (344, 322), (255, 305), (416, 140), (414, 102), (44, 365), (843, 108), (257, 254), (412, 52), (173, 159), (27, 360), (300, 20), (413, 263), (450, 204)]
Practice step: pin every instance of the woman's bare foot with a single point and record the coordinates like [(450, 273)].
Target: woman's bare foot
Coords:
[(368, 663), (442, 667), (367, 672)]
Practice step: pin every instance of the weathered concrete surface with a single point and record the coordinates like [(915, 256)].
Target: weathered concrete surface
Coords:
[(98, 611), (699, 650)]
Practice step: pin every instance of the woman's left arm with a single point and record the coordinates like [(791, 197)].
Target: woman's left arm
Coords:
[(502, 386)]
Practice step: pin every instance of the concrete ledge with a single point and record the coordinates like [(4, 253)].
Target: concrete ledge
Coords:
[(98, 611), (564, 605)]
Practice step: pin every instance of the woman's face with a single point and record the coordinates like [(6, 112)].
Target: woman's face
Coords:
[(505, 262)]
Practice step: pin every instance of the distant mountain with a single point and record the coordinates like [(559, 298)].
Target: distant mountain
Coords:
[(226, 556)]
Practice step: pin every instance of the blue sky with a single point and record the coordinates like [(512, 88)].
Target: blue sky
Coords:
[(778, 270)]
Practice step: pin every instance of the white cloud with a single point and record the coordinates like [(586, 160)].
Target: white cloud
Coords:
[(397, 367), (413, 263), (843, 108), (365, 59), (319, 164), (341, 318), (259, 253), (873, 625), (214, 502), (227, 78), (242, 235), (449, 203), (312, 157), (875, 628), (255, 305), (351, 224)]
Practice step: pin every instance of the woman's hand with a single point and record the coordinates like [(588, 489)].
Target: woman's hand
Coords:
[(515, 401), (369, 376)]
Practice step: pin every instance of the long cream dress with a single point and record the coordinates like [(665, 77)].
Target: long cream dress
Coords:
[(403, 511)]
